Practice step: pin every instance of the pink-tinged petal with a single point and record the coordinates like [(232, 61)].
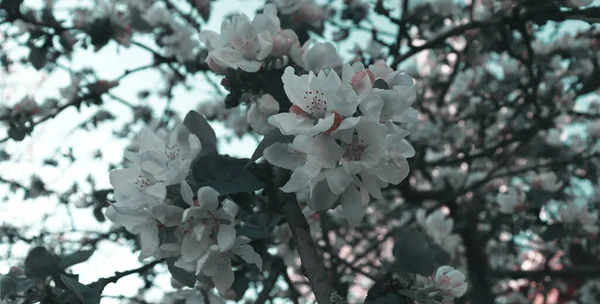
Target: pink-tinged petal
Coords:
[(394, 172), (224, 278), (322, 198), (324, 151), (352, 206), (459, 291), (300, 178), (226, 237), (168, 250), (339, 180), (215, 65), (344, 102), (372, 106), (266, 45), (210, 262), (211, 39), (322, 125), (168, 215), (230, 209), (371, 184), (186, 193), (148, 141), (208, 198), (156, 194), (191, 248), (234, 59), (149, 240), (123, 182), (284, 156), (247, 253), (290, 123), (348, 123)]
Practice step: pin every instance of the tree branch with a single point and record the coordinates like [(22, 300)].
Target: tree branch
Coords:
[(312, 265)]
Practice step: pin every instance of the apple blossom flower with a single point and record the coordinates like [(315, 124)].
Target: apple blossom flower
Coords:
[(451, 282), (439, 228), (180, 43), (320, 104), (204, 222), (169, 162), (243, 44), (145, 222), (135, 189), (259, 113), (217, 264)]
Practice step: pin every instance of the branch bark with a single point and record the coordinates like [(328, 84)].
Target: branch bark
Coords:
[(312, 265)]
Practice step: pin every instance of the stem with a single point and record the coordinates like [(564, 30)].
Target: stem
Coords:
[(312, 265)]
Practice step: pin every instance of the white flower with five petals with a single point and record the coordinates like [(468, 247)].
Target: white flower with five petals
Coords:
[(242, 44), (217, 264), (168, 162), (204, 223)]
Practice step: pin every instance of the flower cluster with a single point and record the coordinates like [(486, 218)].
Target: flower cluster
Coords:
[(245, 44), (140, 191), (348, 144), (206, 237), (439, 228), (447, 283)]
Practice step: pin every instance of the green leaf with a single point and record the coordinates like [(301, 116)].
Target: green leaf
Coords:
[(186, 278), (18, 133), (240, 285), (198, 125), (74, 258), (412, 253), (253, 232), (272, 137), (41, 263), (38, 57), (86, 294), (225, 174), (8, 287)]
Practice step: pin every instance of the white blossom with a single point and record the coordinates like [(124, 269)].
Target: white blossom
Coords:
[(217, 264)]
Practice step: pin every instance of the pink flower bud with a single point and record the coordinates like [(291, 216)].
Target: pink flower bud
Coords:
[(283, 42)]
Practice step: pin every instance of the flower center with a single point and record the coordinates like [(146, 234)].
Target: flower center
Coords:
[(316, 104), (143, 182), (354, 150)]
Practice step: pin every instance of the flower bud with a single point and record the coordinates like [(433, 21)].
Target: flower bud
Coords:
[(283, 42)]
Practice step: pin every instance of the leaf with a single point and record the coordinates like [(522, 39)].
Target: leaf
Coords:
[(272, 137), (225, 174), (74, 258), (412, 253), (186, 278), (86, 294), (41, 263), (8, 287), (240, 285), (38, 57), (253, 232), (18, 133), (553, 232), (198, 125)]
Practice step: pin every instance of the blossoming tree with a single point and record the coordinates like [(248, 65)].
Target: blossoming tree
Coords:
[(454, 158)]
